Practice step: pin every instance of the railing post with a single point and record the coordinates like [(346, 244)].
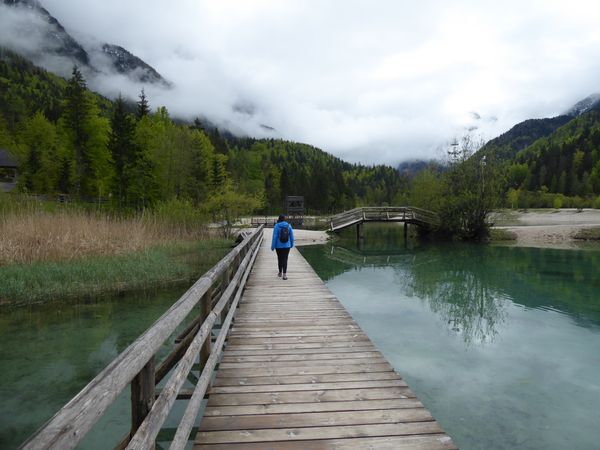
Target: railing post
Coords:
[(205, 309), (142, 395)]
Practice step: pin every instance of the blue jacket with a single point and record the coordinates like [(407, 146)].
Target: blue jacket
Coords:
[(275, 242)]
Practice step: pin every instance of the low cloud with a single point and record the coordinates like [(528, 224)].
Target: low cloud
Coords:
[(369, 82)]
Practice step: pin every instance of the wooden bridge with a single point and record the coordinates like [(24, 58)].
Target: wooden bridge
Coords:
[(296, 373), (406, 214)]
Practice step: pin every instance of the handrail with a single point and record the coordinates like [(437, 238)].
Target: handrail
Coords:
[(135, 364), (384, 214)]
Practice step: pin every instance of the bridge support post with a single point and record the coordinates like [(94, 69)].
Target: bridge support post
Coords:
[(359, 232), (405, 234), (142, 395)]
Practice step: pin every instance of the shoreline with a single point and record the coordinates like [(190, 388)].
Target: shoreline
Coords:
[(546, 228)]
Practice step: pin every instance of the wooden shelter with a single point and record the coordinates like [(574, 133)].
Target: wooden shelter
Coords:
[(294, 207)]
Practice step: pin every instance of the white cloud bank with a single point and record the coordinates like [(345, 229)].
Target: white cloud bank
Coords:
[(367, 81)]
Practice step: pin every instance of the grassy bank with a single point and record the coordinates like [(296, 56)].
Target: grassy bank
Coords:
[(92, 276), (58, 251)]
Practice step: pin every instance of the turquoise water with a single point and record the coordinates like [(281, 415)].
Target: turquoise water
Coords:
[(502, 344), (50, 352)]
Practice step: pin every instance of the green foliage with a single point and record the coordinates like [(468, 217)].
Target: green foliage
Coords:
[(427, 190), (522, 135), (567, 161), (226, 206), (471, 189)]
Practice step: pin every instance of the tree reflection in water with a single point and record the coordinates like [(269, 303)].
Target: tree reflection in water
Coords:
[(457, 288), (470, 286)]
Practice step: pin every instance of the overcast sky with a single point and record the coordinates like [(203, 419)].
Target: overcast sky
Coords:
[(369, 81)]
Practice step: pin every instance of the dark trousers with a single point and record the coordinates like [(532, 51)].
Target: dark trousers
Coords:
[(282, 257)]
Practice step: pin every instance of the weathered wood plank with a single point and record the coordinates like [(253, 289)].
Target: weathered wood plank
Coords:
[(423, 442), (297, 420), (299, 363), (322, 395), (308, 433), (286, 408), (277, 370), (301, 351), (302, 379), (309, 386)]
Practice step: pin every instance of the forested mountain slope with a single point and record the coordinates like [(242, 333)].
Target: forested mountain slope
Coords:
[(72, 141)]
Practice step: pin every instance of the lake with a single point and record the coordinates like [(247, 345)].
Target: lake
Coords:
[(501, 344), (50, 352)]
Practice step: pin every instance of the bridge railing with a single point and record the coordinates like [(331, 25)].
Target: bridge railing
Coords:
[(383, 213), (215, 295)]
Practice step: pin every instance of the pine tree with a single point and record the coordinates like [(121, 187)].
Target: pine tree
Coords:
[(76, 114), (87, 135), (143, 108), (122, 147)]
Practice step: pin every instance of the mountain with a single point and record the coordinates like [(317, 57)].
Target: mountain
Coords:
[(411, 168), (587, 104), (567, 161), (507, 145), (37, 35), (125, 62)]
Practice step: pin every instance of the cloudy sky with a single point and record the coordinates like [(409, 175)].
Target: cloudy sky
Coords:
[(369, 81)]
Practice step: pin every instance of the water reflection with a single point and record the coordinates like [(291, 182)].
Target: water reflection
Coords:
[(470, 286)]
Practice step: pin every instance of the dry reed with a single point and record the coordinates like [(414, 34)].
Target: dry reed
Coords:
[(38, 235)]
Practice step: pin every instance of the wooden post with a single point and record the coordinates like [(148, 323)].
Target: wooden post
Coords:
[(205, 309), (359, 232), (142, 395), (405, 234)]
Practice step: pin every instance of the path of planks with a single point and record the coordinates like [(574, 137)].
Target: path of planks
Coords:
[(298, 373)]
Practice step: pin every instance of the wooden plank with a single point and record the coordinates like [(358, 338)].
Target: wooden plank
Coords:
[(275, 340), (278, 370), (237, 347), (308, 433), (297, 364), (294, 379), (323, 395), (308, 407), (364, 346), (309, 386), (297, 420), (353, 353), (423, 442)]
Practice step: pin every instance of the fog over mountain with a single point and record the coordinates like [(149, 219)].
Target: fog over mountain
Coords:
[(370, 83)]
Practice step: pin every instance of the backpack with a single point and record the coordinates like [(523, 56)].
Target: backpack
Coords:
[(284, 234)]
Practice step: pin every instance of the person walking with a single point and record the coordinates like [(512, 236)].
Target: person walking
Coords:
[(282, 242)]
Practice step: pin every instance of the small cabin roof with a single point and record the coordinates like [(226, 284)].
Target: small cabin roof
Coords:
[(7, 160)]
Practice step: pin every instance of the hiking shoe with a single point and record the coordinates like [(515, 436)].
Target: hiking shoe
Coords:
[(284, 276), (279, 274)]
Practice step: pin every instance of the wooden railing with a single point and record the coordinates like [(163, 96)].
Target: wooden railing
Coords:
[(407, 214), (136, 365)]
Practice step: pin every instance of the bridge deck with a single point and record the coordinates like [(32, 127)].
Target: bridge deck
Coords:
[(298, 373)]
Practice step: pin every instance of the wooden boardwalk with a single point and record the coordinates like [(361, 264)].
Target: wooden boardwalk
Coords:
[(299, 373)]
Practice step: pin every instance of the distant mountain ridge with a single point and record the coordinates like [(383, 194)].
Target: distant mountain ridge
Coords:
[(522, 135), (57, 42), (589, 103)]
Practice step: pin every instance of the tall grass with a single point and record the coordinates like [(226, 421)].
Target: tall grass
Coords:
[(90, 277), (54, 251), (32, 230)]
